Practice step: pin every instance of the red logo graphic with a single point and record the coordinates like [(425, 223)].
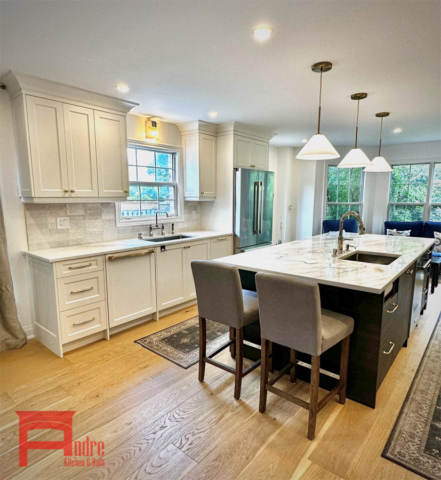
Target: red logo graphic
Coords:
[(44, 420)]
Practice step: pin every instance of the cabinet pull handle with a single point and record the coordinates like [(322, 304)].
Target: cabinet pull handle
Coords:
[(85, 321), (72, 191), (221, 239), (126, 191), (83, 290), (202, 193), (425, 291), (81, 266), (117, 257), (253, 166), (425, 265), (395, 308), (188, 246), (66, 191), (390, 349), (409, 272)]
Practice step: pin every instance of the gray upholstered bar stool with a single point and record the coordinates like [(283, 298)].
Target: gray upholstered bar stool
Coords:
[(291, 315), (221, 299)]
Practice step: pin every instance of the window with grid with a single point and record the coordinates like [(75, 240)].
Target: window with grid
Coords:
[(409, 187), (344, 191), (435, 197), (153, 184)]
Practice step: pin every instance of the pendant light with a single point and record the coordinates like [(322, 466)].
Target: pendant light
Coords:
[(379, 163), (356, 158), (319, 147)]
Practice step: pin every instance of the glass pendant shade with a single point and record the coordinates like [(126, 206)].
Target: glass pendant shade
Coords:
[(379, 164), (318, 148), (356, 158)]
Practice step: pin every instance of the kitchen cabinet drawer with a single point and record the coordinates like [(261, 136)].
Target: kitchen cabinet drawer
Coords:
[(83, 321), (79, 266), (80, 290), (221, 247)]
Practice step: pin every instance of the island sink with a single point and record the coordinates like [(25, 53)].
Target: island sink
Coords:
[(370, 257)]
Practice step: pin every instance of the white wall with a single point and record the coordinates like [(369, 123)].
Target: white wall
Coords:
[(168, 133), (13, 213)]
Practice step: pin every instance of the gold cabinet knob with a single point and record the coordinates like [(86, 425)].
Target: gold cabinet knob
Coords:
[(72, 191), (202, 193), (253, 166), (66, 191), (126, 191)]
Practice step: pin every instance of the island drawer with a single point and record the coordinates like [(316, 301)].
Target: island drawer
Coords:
[(78, 266), (80, 290), (83, 321), (388, 347)]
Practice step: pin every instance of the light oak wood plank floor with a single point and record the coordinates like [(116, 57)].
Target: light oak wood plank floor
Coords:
[(158, 422)]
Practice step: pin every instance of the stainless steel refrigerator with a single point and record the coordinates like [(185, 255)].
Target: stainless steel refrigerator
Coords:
[(253, 209)]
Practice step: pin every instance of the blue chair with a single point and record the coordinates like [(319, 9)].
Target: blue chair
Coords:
[(429, 232), (349, 225), (416, 228)]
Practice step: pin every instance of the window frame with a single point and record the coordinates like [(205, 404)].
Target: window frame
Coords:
[(178, 184), (326, 203), (427, 204), (431, 179)]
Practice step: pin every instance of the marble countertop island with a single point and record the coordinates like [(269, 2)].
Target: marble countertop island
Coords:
[(311, 259)]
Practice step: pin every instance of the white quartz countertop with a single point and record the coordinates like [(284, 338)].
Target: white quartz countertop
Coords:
[(79, 251), (311, 259)]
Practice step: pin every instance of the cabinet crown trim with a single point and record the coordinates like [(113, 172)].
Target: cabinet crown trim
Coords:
[(245, 130), (198, 126), (21, 83)]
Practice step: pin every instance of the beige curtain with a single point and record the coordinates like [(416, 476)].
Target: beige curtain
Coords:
[(12, 334)]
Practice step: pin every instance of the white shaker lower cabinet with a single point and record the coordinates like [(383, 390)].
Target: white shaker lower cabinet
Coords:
[(175, 279), (221, 247), (131, 285), (193, 251)]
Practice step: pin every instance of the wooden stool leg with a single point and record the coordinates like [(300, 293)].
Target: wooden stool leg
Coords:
[(264, 374), (239, 362), (202, 347), (292, 373), (270, 358), (233, 345), (313, 402), (344, 362)]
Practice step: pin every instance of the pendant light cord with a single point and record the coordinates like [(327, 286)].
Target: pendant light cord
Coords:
[(356, 125), (381, 133), (320, 101)]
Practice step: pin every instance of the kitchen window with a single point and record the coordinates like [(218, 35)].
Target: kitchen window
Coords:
[(153, 186), (435, 196), (409, 192), (344, 192)]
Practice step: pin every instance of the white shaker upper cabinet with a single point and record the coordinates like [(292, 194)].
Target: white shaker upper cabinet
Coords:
[(250, 153), (80, 148), (47, 147), (111, 152)]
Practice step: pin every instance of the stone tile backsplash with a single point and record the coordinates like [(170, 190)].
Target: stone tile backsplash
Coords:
[(88, 223)]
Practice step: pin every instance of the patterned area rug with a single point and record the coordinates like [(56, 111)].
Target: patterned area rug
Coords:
[(180, 343), (415, 441)]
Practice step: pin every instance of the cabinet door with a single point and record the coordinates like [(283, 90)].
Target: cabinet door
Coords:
[(80, 149), (242, 152), (221, 247), (191, 162), (170, 276), (131, 288), (260, 154), (193, 251), (48, 147), (207, 166), (111, 153)]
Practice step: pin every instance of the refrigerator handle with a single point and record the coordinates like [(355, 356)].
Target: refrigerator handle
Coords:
[(260, 206), (256, 208)]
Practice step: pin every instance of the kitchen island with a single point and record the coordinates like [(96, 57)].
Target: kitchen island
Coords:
[(373, 284)]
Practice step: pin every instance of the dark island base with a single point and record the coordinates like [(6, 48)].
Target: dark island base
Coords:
[(375, 329)]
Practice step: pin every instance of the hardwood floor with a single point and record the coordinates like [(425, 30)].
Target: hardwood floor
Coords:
[(158, 422)]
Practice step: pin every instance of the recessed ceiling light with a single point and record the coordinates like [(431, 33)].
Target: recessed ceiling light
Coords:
[(262, 33), (213, 114), (304, 140), (398, 130), (122, 88)]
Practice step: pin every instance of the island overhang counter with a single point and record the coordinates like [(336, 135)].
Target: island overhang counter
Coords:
[(378, 296)]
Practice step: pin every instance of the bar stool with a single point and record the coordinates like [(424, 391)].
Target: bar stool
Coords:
[(221, 299), (291, 315)]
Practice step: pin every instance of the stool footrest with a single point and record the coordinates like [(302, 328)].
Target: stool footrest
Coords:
[(231, 342), (287, 396), (279, 375)]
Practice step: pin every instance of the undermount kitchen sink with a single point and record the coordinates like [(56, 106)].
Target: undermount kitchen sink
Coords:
[(166, 238), (370, 257)]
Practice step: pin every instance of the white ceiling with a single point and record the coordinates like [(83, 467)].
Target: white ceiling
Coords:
[(182, 59)]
